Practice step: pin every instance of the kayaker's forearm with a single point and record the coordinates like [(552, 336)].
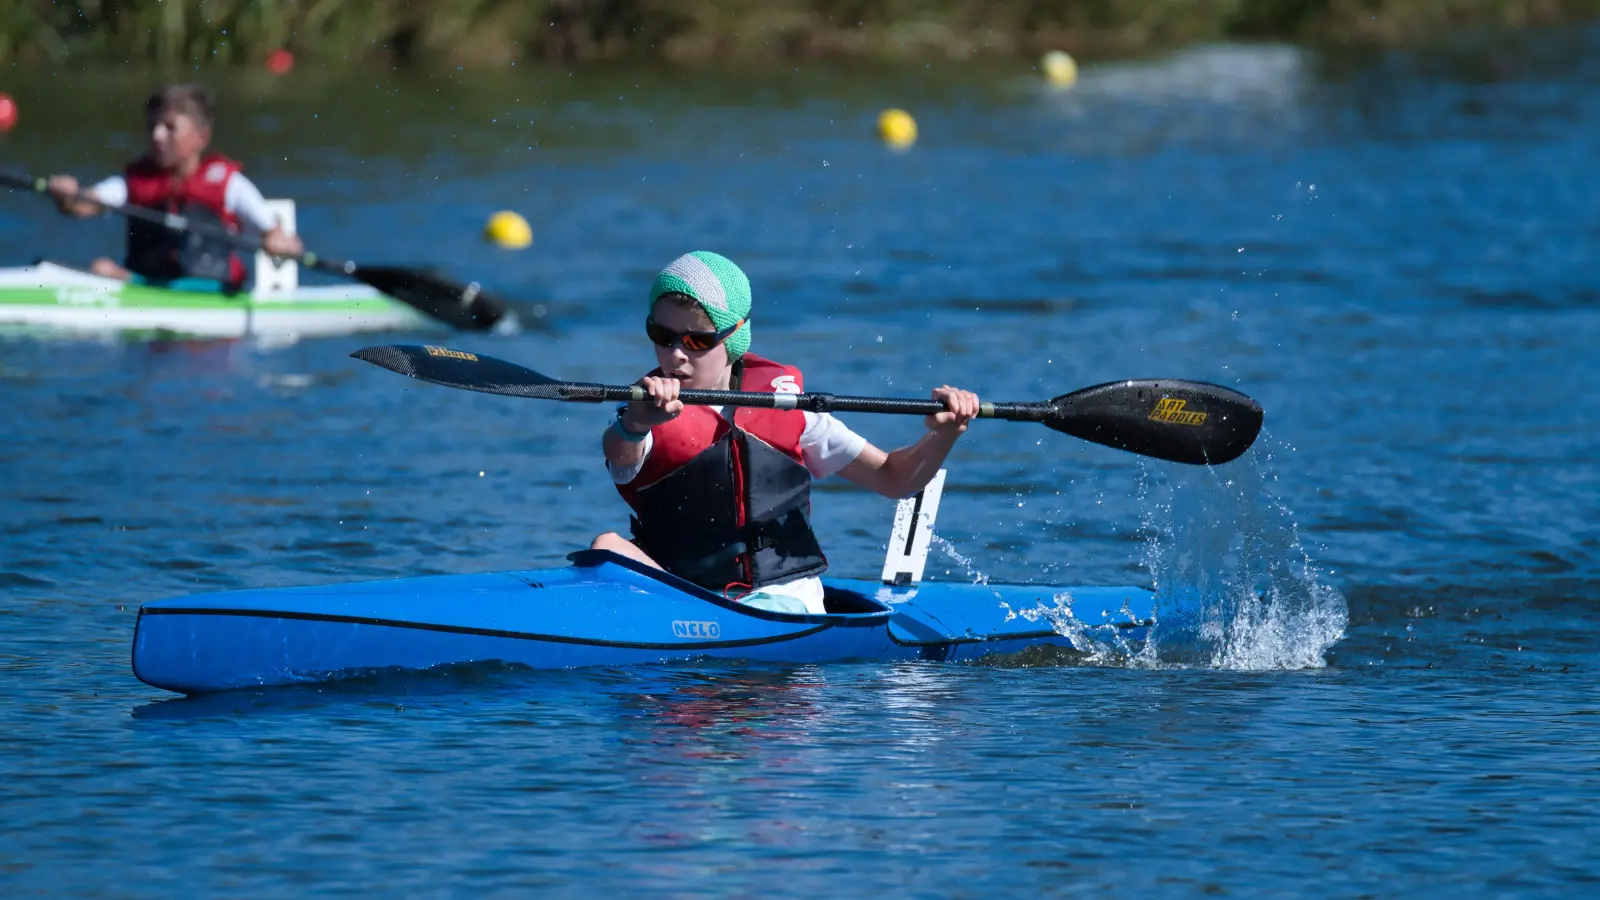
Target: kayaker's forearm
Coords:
[(82, 208), (621, 454), (909, 469)]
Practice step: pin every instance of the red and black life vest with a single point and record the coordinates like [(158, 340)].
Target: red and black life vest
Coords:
[(727, 504), (162, 254)]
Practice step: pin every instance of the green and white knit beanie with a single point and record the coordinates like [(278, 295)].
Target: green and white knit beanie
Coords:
[(721, 289)]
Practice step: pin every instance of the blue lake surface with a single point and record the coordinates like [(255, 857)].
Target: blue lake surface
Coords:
[(1392, 252)]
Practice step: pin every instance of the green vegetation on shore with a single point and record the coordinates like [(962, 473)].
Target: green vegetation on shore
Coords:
[(498, 32)]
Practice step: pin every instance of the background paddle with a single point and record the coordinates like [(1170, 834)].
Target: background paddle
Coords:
[(1181, 421), (463, 306)]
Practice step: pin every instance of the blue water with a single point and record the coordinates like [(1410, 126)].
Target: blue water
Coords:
[(1375, 672)]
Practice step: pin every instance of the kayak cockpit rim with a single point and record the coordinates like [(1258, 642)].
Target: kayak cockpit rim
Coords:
[(853, 607)]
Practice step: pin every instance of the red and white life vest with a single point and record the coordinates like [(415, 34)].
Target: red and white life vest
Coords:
[(727, 504), (163, 254)]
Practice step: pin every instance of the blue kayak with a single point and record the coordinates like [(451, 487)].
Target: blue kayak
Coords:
[(604, 610)]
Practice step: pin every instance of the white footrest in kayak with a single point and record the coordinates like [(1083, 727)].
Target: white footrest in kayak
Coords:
[(913, 532)]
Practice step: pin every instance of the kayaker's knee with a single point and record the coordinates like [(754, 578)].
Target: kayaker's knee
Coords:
[(621, 546), (106, 268)]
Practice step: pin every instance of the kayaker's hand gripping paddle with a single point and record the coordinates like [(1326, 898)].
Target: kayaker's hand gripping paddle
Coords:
[(1180, 421), (463, 306)]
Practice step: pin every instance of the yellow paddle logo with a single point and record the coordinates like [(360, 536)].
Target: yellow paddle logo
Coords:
[(1173, 411), (450, 354)]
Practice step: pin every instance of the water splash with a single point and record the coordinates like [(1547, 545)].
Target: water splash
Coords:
[(1235, 588), (1100, 644), (967, 563)]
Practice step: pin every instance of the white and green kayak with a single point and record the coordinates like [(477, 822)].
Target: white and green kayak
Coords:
[(53, 297)]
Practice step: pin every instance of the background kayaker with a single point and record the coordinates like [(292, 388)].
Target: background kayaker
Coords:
[(725, 502), (177, 175)]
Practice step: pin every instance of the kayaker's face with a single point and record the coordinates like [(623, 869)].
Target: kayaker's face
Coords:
[(176, 138), (701, 369)]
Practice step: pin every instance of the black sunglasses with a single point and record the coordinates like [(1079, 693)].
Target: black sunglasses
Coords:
[(697, 341)]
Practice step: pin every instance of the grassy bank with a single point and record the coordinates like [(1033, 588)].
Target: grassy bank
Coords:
[(499, 32)]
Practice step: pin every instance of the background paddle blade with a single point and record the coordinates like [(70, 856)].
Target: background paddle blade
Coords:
[(460, 369), (463, 306), (1181, 421)]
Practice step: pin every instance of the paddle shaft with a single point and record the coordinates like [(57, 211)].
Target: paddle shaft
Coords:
[(180, 223), (579, 392), (1181, 421)]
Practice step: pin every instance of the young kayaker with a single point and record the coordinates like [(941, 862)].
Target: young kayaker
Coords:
[(722, 497), (177, 174)]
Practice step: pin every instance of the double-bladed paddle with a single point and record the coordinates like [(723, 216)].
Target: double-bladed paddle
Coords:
[(463, 306), (1181, 421)]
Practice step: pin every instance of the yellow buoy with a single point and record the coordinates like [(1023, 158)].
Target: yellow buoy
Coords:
[(1059, 68), (897, 128), (508, 230)]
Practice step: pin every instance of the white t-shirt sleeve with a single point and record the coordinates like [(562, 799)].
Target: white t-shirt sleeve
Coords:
[(828, 445), (244, 200), (112, 191)]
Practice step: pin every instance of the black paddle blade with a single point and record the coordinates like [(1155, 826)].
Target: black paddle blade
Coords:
[(460, 369), (463, 306), (1181, 421)]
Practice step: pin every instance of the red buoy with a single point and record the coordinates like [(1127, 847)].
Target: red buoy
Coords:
[(280, 61), (8, 112)]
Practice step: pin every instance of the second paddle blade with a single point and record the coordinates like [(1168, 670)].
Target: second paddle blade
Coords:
[(1181, 421), (460, 369), (463, 306)]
